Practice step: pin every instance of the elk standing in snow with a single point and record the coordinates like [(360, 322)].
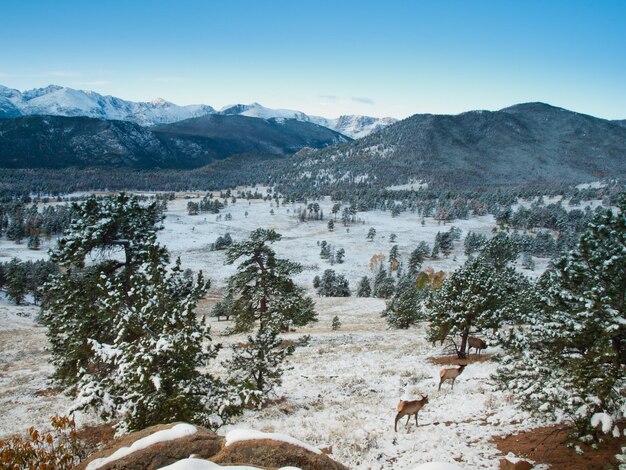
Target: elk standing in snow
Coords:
[(450, 374), (408, 408), (475, 343)]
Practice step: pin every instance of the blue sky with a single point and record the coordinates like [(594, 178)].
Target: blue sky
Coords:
[(382, 58)]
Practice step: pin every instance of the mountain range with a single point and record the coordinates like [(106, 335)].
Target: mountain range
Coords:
[(529, 143), (60, 141), (524, 144), (62, 101)]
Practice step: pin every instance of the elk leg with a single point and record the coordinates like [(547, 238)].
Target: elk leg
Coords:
[(395, 426), (416, 423), (440, 382), (408, 418)]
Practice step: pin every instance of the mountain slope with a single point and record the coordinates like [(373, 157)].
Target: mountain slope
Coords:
[(62, 101), (523, 144), (241, 134), (58, 142)]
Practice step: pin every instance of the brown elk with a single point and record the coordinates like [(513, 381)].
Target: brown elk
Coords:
[(475, 343), (408, 408), (450, 374)]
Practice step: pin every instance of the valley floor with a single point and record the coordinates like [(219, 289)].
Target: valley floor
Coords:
[(341, 391)]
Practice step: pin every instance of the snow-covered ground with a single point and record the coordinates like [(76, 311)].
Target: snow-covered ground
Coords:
[(342, 389), (190, 237)]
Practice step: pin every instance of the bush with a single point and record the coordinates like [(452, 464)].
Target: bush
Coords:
[(54, 450)]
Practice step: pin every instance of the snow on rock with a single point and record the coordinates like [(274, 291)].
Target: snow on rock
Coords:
[(175, 432), (238, 435), (199, 464), (438, 466)]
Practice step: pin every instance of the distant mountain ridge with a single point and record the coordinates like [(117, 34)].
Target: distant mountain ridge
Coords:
[(60, 141), (62, 101), (529, 143)]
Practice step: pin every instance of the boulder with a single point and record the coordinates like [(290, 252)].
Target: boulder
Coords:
[(268, 453), (202, 443)]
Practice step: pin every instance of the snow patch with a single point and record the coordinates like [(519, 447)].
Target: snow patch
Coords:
[(175, 432), (438, 466), (199, 464)]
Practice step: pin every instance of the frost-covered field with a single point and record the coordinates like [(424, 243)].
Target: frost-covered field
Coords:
[(190, 236), (342, 389)]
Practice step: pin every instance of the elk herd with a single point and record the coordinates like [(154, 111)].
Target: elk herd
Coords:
[(413, 407)]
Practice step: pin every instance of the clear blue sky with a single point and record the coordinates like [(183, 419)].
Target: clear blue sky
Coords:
[(382, 58)]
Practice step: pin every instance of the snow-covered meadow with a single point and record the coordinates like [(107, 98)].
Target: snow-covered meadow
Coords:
[(341, 390)]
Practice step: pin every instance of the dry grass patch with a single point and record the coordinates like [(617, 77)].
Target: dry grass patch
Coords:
[(548, 445)]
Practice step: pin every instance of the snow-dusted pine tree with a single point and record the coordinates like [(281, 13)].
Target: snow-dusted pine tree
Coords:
[(569, 357), (404, 309), (265, 295), (123, 329), (482, 294)]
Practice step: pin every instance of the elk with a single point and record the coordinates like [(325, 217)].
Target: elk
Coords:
[(408, 408), (475, 343), (450, 374)]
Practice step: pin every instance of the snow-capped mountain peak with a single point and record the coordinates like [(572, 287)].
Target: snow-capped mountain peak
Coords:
[(63, 101)]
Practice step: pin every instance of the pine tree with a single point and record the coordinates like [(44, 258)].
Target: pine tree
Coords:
[(500, 250), (404, 308), (340, 255), (258, 367), (16, 281), (364, 289), (265, 295), (371, 234), (475, 297), (384, 285), (34, 242), (417, 258), (336, 324), (333, 285), (394, 256), (124, 333), (570, 358), (331, 225)]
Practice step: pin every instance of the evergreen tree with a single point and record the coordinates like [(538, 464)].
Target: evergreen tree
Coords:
[(331, 225), (333, 285), (384, 285), (364, 289), (258, 367), (443, 244), (264, 293), (34, 242), (336, 324), (371, 234), (474, 242), (325, 250), (569, 356), (134, 358), (16, 281), (417, 258), (475, 297), (340, 255), (394, 256), (500, 250), (404, 308)]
